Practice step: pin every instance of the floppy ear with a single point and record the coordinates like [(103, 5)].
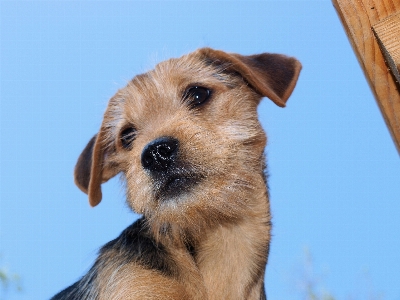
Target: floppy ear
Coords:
[(83, 166), (92, 169), (270, 75)]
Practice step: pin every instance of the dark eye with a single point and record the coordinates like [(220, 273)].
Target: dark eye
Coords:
[(197, 95), (127, 136)]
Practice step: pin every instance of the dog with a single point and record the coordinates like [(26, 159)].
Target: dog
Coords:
[(186, 139)]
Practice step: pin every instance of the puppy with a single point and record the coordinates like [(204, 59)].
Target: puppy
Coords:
[(187, 141)]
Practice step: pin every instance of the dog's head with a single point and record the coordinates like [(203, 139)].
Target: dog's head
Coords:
[(186, 136)]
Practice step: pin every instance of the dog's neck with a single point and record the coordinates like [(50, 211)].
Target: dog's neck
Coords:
[(230, 259)]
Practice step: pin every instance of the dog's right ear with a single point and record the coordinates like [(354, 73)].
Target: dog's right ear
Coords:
[(92, 169), (83, 166)]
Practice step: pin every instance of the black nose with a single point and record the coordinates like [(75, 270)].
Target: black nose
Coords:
[(159, 154)]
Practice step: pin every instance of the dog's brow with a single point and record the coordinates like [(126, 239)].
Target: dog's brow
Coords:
[(222, 71), (226, 79)]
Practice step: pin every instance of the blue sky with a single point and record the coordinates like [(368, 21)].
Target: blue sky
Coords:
[(335, 172)]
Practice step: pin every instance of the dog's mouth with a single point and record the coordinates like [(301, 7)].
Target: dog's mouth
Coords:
[(174, 185)]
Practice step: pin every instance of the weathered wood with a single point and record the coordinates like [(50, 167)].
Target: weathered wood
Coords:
[(358, 17), (387, 33)]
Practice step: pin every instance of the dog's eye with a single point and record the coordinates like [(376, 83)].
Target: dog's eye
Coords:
[(197, 95), (127, 136)]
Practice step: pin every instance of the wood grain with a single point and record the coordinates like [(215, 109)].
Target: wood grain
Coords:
[(387, 33), (358, 17)]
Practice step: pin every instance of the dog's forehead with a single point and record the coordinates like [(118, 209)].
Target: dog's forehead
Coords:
[(175, 72), (162, 89), (169, 79)]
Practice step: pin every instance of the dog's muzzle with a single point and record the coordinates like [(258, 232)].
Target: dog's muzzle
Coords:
[(171, 177)]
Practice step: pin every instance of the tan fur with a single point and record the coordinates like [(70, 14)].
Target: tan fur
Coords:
[(225, 218), (133, 282), (137, 283)]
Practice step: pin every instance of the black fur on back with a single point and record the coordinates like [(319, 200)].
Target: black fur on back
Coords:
[(134, 244)]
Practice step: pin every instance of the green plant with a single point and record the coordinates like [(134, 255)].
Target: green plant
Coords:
[(8, 281)]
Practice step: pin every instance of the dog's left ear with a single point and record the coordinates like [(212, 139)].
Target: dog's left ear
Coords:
[(271, 75)]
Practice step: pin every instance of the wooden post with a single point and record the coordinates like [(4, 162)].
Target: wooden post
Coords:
[(379, 54), (387, 33)]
